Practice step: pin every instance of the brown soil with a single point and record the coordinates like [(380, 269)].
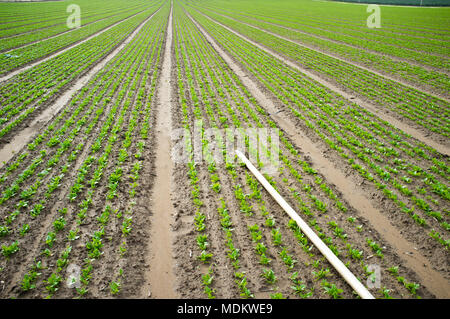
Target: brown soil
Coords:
[(160, 278)]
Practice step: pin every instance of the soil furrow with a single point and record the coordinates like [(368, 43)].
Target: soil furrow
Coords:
[(432, 280), (73, 45), (23, 137), (160, 277), (331, 55), (386, 115)]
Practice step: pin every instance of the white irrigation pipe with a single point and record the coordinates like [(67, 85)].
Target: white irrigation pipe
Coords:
[(337, 264)]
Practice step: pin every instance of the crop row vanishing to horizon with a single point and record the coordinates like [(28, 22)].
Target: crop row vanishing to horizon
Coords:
[(94, 203)]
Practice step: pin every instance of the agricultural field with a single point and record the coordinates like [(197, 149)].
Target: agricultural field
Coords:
[(118, 171)]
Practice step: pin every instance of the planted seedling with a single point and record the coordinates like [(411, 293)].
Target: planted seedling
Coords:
[(385, 293), (322, 273), (4, 231), (332, 290), (202, 241), (25, 229), (59, 224), (8, 250), (270, 222), (73, 235), (269, 275), (276, 237), (114, 287), (199, 220), (205, 257), (52, 283), (277, 295)]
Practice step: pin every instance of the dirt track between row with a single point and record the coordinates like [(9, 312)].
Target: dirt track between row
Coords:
[(384, 114), (195, 75), (161, 277), (43, 59), (350, 190), (24, 136)]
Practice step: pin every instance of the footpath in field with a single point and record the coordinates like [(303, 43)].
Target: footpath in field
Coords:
[(160, 278)]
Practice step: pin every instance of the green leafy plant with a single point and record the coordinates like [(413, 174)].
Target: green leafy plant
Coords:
[(52, 283), (9, 250), (269, 275), (277, 295), (114, 287), (332, 290), (202, 241), (205, 257), (322, 273)]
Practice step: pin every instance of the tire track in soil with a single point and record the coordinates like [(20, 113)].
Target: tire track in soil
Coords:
[(430, 278), (56, 202), (384, 114), (331, 55), (23, 137), (250, 260), (48, 38), (53, 25), (335, 55), (73, 45), (160, 278), (45, 224)]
